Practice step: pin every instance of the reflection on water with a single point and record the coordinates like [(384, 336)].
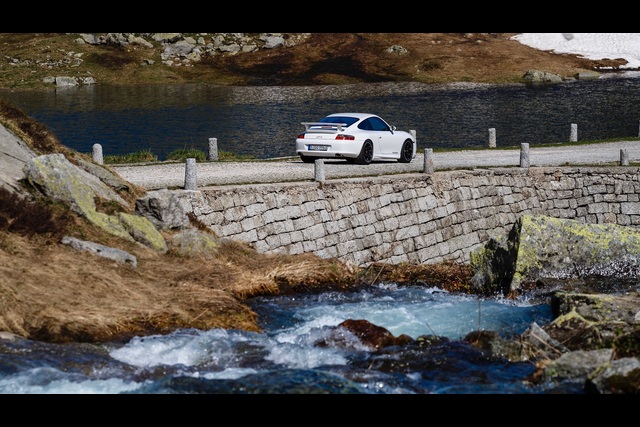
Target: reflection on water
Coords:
[(264, 121)]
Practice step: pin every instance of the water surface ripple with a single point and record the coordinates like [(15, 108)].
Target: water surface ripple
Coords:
[(264, 121)]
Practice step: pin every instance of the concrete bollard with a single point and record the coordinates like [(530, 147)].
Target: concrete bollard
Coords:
[(524, 155), (213, 149), (190, 175), (97, 154), (428, 160), (492, 138), (574, 133), (624, 157), (319, 170)]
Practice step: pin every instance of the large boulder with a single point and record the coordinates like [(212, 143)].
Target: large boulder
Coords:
[(14, 154), (59, 179), (539, 248)]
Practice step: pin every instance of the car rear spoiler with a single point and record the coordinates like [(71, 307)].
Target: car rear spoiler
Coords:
[(323, 127)]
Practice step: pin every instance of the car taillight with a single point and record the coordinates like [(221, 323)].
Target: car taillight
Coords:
[(301, 136), (345, 137)]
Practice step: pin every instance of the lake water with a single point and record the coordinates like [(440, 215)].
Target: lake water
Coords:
[(263, 121)]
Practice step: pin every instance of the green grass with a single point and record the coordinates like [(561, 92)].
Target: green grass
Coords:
[(180, 155), (184, 154), (143, 156)]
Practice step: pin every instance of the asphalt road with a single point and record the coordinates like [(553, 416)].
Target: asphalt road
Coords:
[(172, 175)]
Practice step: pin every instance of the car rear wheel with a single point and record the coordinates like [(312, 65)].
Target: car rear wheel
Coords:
[(306, 159), (366, 153), (406, 154)]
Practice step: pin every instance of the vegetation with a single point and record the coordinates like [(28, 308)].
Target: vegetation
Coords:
[(141, 156), (180, 155), (21, 215), (184, 154)]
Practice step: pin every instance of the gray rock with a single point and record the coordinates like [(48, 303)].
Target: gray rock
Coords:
[(62, 180), (272, 42), (180, 48), (577, 364), (398, 50), (541, 247), (139, 41), (89, 39), (59, 179), (166, 209), (87, 80), (117, 255), (14, 155), (167, 37), (537, 76), (63, 81), (105, 175), (616, 377), (118, 39)]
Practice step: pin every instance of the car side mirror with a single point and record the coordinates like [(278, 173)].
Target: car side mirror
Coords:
[(392, 128)]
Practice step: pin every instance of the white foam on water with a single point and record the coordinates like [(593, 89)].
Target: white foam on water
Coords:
[(53, 381)]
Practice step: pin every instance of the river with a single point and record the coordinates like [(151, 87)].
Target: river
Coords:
[(286, 358)]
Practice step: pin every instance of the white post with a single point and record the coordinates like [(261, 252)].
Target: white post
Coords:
[(428, 160), (319, 170), (574, 132), (524, 155), (97, 154), (190, 175), (213, 149), (624, 157), (492, 138)]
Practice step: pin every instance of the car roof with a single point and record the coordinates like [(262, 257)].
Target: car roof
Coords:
[(356, 115)]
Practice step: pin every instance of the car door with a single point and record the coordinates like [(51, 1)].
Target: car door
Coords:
[(387, 142)]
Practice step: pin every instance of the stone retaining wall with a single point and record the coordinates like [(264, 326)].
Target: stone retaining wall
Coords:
[(415, 218)]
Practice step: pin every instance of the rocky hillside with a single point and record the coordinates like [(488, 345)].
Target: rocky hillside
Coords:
[(34, 60)]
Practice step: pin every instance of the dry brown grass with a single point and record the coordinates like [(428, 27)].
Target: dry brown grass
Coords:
[(52, 292)]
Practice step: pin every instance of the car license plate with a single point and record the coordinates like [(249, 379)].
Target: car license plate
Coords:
[(318, 147)]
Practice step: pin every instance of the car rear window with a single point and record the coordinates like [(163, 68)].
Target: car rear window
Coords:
[(340, 119)]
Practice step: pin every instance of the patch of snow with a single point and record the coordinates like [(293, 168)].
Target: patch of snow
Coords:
[(588, 45)]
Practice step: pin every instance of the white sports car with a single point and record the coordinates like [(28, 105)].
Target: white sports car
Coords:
[(356, 137)]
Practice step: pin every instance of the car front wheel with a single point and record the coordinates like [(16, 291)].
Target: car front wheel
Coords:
[(366, 153), (406, 154)]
